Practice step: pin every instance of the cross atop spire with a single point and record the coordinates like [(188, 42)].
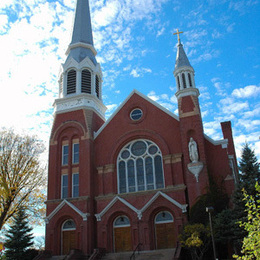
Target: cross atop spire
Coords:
[(178, 34)]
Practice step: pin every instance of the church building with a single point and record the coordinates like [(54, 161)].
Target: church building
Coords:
[(127, 180)]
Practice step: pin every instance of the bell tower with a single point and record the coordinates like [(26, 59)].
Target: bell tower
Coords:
[(192, 134), (78, 113)]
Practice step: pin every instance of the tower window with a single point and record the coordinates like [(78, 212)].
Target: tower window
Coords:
[(97, 87), (190, 82), (75, 185), (86, 81), (140, 167), (65, 154), (75, 153), (64, 186), (71, 82), (183, 80)]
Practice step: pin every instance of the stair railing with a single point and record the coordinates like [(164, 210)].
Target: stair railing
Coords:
[(132, 257)]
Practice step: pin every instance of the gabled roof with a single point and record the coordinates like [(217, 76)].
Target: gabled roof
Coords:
[(60, 206), (125, 101), (139, 213)]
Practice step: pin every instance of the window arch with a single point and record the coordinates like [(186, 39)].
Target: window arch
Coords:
[(121, 221), (139, 167), (97, 87), (163, 217), (71, 82), (86, 81), (69, 225)]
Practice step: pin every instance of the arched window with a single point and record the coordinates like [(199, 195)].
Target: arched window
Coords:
[(122, 221), (164, 217), (140, 167), (69, 225), (190, 82), (86, 81), (71, 82), (97, 87), (183, 80)]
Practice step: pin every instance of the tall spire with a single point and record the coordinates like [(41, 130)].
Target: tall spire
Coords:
[(82, 31), (81, 45), (181, 59), (81, 76)]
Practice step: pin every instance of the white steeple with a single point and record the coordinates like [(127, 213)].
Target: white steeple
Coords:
[(81, 76), (184, 73)]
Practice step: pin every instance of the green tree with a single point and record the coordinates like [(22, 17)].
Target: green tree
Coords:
[(196, 239), (227, 222), (251, 243), (22, 177), (19, 237)]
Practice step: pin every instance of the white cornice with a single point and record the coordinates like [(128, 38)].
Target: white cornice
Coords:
[(81, 45), (223, 142), (139, 213), (60, 206), (187, 92), (76, 102)]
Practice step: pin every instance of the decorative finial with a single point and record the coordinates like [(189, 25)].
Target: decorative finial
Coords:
[(178, 33)]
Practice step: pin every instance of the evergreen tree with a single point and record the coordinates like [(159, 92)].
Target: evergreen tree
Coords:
[(19, 238), (227, 222)]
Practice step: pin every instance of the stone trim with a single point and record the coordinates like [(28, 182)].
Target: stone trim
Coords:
[(60, 206), (106, 169), (139, 212), (172, 158)]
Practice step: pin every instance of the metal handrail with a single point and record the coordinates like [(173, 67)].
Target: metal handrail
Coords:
[(136, 249)]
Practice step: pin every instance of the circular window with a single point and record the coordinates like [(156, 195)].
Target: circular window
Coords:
[(136, 114), (138, 148), (153, 149), (125, 154)]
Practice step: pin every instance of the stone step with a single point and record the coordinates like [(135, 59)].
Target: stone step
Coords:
[(163, 254)]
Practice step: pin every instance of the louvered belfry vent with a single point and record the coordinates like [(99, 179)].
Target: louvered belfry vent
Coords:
[(97, 86), (86, 81), (71, 82)]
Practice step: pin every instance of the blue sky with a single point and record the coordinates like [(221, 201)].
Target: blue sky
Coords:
[(136, 50)]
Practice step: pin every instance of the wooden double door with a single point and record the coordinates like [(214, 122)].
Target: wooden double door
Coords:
[(165, 236), (68, 241), (122, 239)]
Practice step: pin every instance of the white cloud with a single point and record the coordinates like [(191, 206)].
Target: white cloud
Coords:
[(139, 72), (246, 92)]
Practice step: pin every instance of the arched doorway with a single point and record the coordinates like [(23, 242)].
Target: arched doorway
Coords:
[(68, 236), (164, 230), (122, 234)]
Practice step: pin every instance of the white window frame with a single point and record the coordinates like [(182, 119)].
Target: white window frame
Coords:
[(73, 153), (62, 186), (73, 185), (63, 155), (119, 159)]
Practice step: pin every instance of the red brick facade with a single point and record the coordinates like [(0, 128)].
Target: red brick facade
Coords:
[(99, 202)]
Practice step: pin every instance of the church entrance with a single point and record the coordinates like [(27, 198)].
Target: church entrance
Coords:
[(68, 236), (164, 230), (122, 234)]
